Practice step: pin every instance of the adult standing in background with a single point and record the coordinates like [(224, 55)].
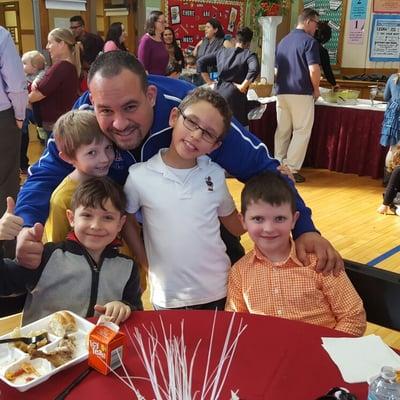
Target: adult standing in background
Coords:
[(151, 51), (58, 89), (297, 86), (174, 51), (237, 68), (13, 102), (92, 44), (212, 41), (323, 35), (115, 37)]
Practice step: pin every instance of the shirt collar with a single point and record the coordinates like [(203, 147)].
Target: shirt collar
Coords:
[(259, 256)]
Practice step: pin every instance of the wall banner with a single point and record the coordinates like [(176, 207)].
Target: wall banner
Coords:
[(188, 18), (385, 38), (386, 6)]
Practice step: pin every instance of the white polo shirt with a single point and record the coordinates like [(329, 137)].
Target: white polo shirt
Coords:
[(188, 263)]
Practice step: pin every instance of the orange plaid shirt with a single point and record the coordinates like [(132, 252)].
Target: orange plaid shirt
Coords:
[(291, 290)]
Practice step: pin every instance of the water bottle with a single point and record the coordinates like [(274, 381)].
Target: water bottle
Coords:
[(384, 387)]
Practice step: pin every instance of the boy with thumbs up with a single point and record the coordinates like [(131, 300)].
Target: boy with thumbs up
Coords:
[(85, 273)]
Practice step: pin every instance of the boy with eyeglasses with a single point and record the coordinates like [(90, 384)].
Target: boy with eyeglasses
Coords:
[(183, 197)]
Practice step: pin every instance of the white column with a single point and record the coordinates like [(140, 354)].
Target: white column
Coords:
[(269, 26)]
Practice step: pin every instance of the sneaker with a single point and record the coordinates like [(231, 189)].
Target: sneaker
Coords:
[(298, 178)]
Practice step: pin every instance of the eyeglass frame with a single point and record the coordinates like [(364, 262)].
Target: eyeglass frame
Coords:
[(194, 127), (76, 26), (314, 20)]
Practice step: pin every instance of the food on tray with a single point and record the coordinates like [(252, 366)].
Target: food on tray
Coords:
[(62, 323), (27, 347), (63, 353), (25, 369), (341, 95)]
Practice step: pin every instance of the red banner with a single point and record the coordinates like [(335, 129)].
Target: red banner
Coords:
[(188, 18)]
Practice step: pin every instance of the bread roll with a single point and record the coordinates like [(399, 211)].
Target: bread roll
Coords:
[(62, 323)]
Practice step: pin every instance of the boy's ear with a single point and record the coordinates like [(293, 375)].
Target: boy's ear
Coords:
[(296, 216), (241, 219), (65, 158), (215, 146), (70, 217), (173, 117)]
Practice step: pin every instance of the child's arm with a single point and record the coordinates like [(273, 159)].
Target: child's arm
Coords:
[(232, 224), (235, 300), (345, 303), (10, 224), (131, 235)]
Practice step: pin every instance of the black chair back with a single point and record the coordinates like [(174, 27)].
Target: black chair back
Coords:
[(380, 292)]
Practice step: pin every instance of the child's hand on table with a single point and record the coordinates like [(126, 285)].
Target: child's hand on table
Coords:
[(116, 310)]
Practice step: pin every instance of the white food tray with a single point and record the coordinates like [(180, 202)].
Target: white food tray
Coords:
[(11, 357)]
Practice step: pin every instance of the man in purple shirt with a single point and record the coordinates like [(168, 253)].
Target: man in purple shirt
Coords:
[(297, 87), (13, 102)]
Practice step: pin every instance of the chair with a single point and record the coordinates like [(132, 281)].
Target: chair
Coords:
[(380, 291)]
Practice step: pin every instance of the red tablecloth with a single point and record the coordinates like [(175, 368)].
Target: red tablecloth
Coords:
[(342, 139), (276, 359)]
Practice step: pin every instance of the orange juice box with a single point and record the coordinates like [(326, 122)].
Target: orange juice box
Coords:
[(105, 347)]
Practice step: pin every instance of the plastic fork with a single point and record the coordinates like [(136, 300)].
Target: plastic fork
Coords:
[(26, 340)]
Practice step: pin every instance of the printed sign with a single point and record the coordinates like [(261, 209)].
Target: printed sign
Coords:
[(358, 9), (385, 38), (387, 6), (356, 32)]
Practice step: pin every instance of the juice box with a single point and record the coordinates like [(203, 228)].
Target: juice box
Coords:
[(105, 347)]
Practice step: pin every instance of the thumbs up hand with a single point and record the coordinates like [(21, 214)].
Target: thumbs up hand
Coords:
[(10, 224), (29, 248)]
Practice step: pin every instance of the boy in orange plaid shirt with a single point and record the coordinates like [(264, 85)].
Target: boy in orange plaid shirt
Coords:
[(270, 280)]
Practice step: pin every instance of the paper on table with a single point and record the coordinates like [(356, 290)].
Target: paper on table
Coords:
[(360, 359)]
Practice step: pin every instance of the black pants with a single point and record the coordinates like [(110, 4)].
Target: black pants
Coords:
[(213, 305), (234, 249)]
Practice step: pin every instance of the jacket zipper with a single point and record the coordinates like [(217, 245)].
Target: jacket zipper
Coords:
[(95, 283)]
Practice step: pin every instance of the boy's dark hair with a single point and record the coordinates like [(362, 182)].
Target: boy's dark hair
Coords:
[(95, 192), (324, 32), (111, 64), (77, 18), (174, 67), (244, 35), (306, 14), (215, 99), (270, 187)]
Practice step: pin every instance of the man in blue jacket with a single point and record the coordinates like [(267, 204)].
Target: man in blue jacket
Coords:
[(133, 111)]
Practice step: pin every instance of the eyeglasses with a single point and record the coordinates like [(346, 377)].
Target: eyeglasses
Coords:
[(314, 20), (75, 27), (192, 126)]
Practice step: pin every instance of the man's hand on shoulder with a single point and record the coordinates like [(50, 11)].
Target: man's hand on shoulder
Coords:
[(329, 260), (29, 248)]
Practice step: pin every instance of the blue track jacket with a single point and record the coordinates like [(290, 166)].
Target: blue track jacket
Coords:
[(241, 154)]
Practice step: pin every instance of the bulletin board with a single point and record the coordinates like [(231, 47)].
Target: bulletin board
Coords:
[(333, 11), (385, 38), (188, 18)]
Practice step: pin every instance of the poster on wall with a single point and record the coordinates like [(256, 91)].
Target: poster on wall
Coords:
[(358, 14), (188, 18), (385, 38), (387, 6)]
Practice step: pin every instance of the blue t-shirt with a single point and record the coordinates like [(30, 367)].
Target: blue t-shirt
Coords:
[(294, 54)]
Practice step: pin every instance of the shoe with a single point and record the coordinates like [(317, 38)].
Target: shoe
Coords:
[(298, 178)]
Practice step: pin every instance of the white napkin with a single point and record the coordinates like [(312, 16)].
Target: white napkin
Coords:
[(360, 359)]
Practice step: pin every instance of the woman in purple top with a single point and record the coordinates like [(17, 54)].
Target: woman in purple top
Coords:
[(115, 38), (152, 52)]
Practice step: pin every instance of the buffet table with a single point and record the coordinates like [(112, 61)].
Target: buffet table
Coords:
[(345, 138), (275, 359)]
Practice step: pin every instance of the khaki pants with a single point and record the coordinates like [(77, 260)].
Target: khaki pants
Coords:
[(295, 117)]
